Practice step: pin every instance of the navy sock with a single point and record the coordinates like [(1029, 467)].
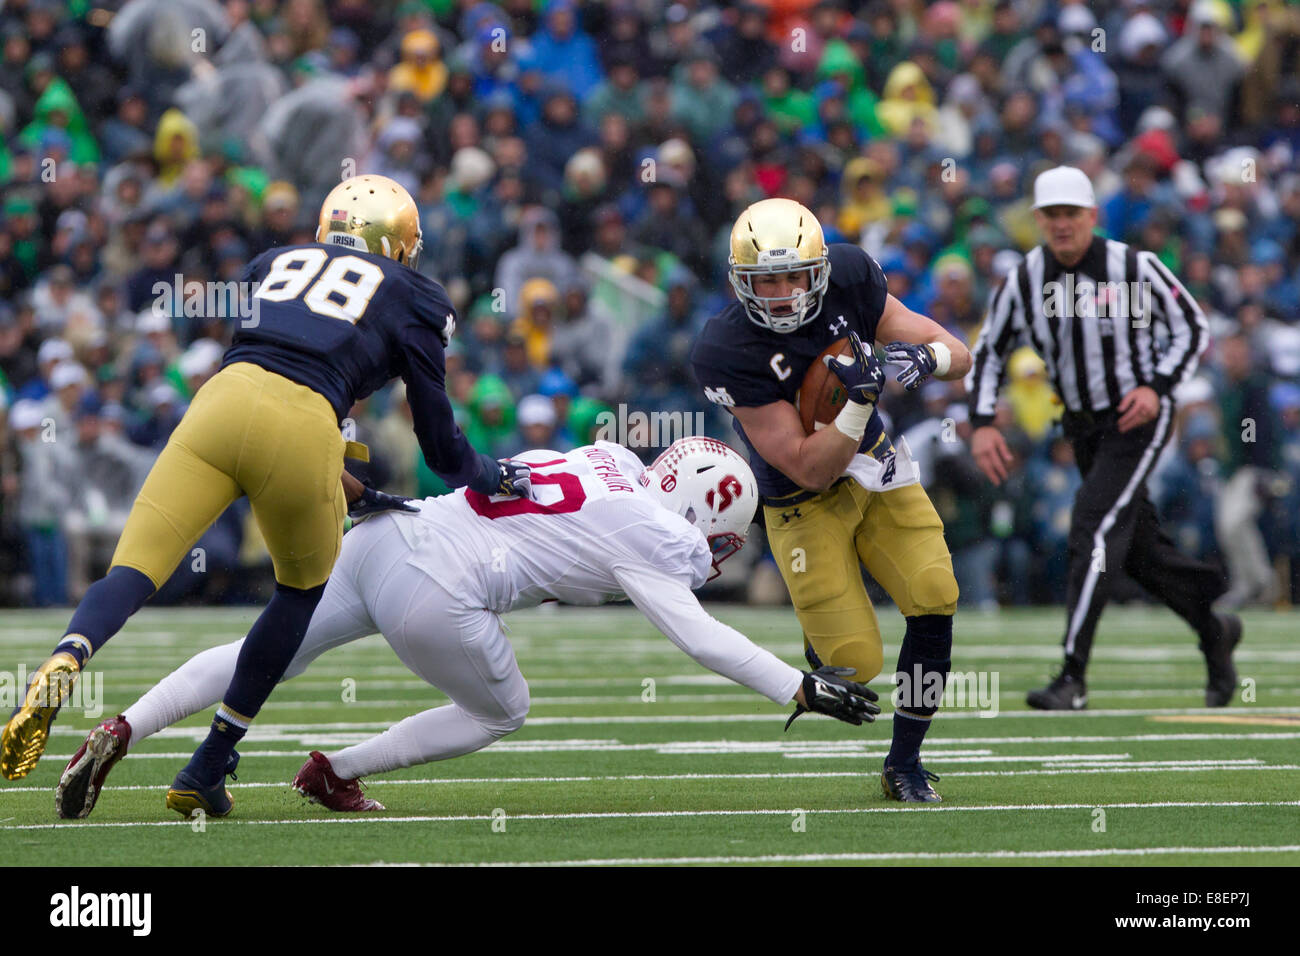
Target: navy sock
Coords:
[(270, 646), (102, 612), (923, 664), (208, 765)]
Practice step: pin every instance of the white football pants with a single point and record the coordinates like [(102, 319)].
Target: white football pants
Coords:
[(443, 638)]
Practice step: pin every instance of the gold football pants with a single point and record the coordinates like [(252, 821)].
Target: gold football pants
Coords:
[(248, 432), (818, 544)]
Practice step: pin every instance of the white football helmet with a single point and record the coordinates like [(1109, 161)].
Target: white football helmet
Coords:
[(711, 486)]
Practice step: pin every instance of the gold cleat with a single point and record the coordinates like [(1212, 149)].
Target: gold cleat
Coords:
[(28, 730)]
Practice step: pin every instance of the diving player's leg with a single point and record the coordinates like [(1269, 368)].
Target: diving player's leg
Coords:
[(901, 543), (183, 494), (199, 683), (812, 543), (461, 650)]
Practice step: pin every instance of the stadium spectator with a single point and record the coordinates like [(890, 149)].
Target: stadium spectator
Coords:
[(1251, 453), (47, 480), (536, 256)]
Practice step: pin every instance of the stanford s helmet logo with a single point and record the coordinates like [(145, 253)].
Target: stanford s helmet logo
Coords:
[(729, 489)]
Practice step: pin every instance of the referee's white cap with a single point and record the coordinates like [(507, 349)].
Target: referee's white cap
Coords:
[(1063, 186)]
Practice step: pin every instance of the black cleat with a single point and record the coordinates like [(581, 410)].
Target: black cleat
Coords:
[(188, 796), (909, 784), (1222, 673), (1063, 693)]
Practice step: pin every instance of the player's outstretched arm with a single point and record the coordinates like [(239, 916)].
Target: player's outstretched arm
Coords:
[(672, 607)]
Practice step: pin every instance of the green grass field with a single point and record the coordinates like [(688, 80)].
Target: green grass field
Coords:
[(702, 773)]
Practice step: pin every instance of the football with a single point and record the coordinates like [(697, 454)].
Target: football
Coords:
[(821, 395)]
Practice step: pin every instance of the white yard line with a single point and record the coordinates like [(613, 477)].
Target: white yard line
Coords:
[(1154, 766), (870, 857), (771, 718), (660, 814), (945, 756)]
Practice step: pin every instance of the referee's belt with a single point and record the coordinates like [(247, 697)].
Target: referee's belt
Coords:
[(799, 497)]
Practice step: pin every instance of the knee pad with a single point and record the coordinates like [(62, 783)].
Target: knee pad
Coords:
[(933, 589), (865, 657), (508, 718), (505, 724)]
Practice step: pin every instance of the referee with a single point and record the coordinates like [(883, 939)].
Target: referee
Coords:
[(1092, 307)]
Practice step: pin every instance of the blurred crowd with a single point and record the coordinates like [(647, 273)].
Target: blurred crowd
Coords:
[(578, 166)]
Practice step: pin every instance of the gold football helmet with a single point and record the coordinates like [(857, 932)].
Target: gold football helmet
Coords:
[(779, 236), (372, 214)]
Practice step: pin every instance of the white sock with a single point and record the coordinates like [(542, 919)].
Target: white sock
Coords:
[(431, 735), (195, 686)]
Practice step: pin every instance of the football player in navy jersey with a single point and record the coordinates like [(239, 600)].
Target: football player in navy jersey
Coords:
[(333, 321), (843, 496)]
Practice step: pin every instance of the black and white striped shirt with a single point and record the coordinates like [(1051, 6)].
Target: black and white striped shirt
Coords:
[(1099, 327)]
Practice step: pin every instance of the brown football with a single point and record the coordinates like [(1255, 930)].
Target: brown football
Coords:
[(821, 396)]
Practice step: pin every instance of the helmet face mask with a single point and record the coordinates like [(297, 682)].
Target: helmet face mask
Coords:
[(779, 237), (723, 546), (710, 485), (782, 313), (372, 214)]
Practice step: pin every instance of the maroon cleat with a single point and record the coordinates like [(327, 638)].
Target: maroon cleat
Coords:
[(86, 772), (318, 782)]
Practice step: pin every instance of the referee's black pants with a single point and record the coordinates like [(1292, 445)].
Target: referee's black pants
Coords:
[(1114, 525)]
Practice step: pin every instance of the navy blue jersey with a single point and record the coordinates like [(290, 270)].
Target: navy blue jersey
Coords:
[(739, 363), (344, 323)]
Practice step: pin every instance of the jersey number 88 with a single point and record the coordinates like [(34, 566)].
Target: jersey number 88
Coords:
[(334, 294)]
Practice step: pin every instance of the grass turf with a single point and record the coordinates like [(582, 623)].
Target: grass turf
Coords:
[(633, 753)]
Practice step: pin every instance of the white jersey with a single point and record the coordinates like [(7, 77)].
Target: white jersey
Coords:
[(588, 515), (590, 533)]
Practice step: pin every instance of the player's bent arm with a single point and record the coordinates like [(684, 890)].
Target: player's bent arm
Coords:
[(446, 450), (673, 608), (812, 462), (898, 323)]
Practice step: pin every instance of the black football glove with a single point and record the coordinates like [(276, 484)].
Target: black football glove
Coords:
[(516, 479), (828, 692), (918, 361), (864, 377), (503, 479), (373, 502)]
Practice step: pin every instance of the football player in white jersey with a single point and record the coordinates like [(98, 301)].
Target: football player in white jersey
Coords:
[(598, 526)]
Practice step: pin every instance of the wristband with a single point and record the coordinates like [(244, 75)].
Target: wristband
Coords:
[(942, 358), (853, 418)]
